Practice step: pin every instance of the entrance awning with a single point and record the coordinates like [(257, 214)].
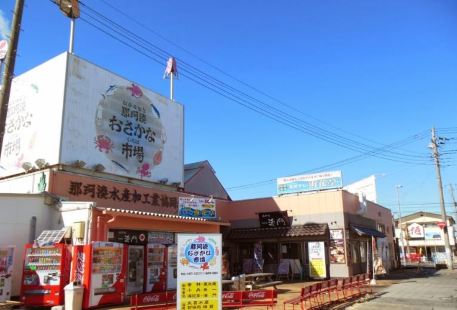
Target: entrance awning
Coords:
[(306, 230), (365, 231)]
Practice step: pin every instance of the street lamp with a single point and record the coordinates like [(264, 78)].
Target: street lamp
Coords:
[(69, 8), (397, 187)]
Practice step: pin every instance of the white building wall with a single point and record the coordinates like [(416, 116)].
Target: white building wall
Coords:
[(25, 184)]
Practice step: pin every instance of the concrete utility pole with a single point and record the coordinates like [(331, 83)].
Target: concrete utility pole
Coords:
[(434, 146), (400, 240), (451, 189), (10, 61)]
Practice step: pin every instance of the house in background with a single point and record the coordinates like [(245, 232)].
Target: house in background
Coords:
[(423, 238), (200, 179)]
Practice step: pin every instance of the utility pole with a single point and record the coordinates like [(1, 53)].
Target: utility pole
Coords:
[(451, 189), (434, 146), (10, 61), (400, 243)]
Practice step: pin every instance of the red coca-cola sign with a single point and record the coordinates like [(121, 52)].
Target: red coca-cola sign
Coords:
[(256, 295), (228, 295), (150, 298)]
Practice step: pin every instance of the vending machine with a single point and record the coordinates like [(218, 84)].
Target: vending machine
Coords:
[(100, 268), (45, 274), (135, 269), (172, 267), (156, 268), (6, 271)]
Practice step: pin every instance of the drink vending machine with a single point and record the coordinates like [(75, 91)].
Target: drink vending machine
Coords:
[(45, 274), (135, 269), (6, 271), (172, 266), (156, 267), (100, 267)]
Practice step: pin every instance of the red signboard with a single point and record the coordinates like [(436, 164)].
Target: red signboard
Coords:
[(441, 224)]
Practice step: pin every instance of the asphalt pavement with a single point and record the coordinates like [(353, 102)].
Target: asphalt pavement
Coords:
[(414, 289)]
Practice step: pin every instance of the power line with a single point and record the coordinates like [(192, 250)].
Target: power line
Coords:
[(324, 167), (162, 37), (240, 98)]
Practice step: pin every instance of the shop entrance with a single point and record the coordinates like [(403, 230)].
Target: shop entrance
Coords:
[(359, 255)]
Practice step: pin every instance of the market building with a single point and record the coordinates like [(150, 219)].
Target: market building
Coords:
[(288, 224), (422, 237), (89, 156)]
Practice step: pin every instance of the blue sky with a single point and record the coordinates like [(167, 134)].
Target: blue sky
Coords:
[(375, 72)]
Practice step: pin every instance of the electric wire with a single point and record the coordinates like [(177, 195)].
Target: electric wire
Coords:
[(162, 37), (276, 114)]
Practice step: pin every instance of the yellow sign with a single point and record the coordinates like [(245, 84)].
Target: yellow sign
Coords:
[(317, 263), (199, 295), (317, 268)]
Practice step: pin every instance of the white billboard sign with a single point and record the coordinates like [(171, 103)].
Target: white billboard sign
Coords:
[(104, 119), (365, 187), (199, 272), (34, 117), (309, 182)]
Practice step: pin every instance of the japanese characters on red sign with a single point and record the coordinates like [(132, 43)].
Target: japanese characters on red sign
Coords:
[(113, 193)]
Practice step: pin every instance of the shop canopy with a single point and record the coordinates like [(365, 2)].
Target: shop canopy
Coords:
[(365, 231), (307, 230)]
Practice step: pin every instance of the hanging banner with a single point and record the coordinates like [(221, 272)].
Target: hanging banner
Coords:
[(199, 272), (197, 207), (317, 263)]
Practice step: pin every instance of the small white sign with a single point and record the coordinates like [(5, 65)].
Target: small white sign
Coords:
[(416, 231), (3, 49), (199, 272)]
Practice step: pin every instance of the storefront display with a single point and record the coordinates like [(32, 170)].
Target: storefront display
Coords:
[(45, 274), (6, 270), (100, 268)]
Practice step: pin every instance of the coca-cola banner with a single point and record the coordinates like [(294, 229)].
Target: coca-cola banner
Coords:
[(199, 272)]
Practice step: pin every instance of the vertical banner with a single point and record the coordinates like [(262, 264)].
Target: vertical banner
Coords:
[(199, 272), (317, 263)]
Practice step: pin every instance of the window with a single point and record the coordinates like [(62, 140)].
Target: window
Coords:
[(382, 228)]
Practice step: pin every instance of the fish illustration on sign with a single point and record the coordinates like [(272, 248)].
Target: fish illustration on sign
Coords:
[(129, 130)]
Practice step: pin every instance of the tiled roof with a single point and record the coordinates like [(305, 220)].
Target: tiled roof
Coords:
[(279, 232), (191, 169), (153, 214)]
